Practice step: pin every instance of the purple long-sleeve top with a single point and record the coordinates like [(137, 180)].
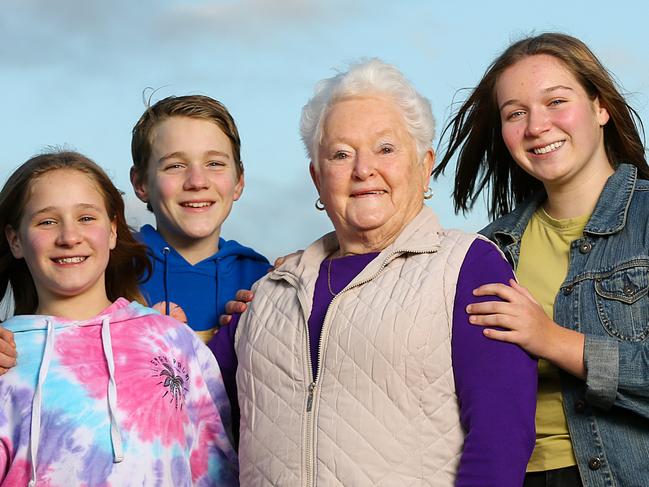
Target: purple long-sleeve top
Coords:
[(495, 382)]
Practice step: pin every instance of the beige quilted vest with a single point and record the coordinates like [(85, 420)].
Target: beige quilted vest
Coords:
[(383, 410)]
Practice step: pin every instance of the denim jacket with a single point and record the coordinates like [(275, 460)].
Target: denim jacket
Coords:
[(604, 296)]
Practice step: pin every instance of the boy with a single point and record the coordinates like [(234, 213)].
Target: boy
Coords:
[(187, 168)]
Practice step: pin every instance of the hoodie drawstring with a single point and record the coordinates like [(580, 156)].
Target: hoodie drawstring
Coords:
[(37, 401), (115, 433), (165, 252)]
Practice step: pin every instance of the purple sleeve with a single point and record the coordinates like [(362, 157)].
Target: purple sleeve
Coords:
[(222, 346), (496, 384)]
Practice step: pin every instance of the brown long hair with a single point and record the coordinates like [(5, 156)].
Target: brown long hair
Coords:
[(474, 132), (128, 261)]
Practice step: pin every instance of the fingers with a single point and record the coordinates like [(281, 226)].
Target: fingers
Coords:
[(225, 320), (503, 321), (490, 307), (7, 336), (523, 290), (232, 307), (503, 291), (244, 296), (501, 336), (278, 262)]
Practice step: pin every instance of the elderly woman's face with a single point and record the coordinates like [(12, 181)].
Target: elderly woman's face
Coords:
[(368, 175)]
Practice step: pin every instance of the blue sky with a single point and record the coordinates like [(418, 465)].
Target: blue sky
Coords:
[(73, 72)]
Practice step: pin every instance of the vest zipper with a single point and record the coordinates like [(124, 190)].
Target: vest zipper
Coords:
[(309, 448)]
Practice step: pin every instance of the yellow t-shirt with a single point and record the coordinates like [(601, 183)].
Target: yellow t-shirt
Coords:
[(542, 268)]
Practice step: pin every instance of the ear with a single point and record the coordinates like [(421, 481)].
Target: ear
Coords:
[(602, 113), (140, 187), (238, 188), (315, 176), (14, 242), (112, 242), (427, 167)]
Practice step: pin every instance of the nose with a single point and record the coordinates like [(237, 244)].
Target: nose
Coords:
[(196, 178), (364, 165), (538, 122), (69, 234)]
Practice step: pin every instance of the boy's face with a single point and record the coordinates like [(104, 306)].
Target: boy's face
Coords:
[(191, 182)]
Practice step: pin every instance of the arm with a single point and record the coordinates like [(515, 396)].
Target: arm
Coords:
[(527, 325), (213, 455), (8, 352), (495, 383), (222, 346)]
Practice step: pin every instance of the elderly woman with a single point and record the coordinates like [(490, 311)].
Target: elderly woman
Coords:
[(357, 364)]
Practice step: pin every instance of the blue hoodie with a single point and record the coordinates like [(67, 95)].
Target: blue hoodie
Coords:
[(201, 290)]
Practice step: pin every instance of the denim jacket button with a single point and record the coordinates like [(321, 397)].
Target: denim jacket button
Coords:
[(585, 247), (567, 290), (594, 463), (580, 406)]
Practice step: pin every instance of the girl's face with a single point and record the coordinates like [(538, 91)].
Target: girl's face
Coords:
[(65, 236), (552, 128)]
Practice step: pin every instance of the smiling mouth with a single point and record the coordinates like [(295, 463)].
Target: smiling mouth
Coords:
[(548, 148), (70, 260), (197, 204)]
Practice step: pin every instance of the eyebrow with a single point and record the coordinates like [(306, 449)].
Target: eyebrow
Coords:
[(183, 155), (81, 206), (514, 101)]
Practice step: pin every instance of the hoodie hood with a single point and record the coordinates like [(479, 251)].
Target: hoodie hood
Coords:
[(121, 310), (201, 289), (118, 312)]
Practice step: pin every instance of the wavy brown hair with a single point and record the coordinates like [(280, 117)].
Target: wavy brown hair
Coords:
[(474, 131), (128, 261)]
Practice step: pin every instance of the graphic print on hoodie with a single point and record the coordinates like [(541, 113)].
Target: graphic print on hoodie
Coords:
[(201, 290), (129, 397)]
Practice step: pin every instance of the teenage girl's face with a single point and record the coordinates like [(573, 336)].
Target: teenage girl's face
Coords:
[(191, 182), (65, 236), (551, 127)]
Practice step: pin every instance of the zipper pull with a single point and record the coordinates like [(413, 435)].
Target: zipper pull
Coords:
[(309, 401)]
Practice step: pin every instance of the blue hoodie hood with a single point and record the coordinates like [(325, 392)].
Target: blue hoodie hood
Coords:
[(202, 289)]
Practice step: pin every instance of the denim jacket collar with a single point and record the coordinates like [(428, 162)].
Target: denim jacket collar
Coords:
[(609, 215)]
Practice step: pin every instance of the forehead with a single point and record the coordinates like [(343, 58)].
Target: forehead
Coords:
[(180, 133), (534, 74), (63, 187), (367, 115)]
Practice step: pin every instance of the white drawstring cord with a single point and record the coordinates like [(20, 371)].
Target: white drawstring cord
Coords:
[(115, 434), (37, 400)]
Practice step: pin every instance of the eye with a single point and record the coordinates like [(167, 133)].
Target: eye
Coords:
[(514, 115), (216, 164), (340, 155), (387, 149), (173, 166), (557, 102), (46, 223), (87, 219)]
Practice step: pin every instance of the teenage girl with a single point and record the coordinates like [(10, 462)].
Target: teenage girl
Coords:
[(107, 392), (548, 133)]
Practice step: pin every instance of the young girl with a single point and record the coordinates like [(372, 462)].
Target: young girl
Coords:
[(548, 132), (107, 392)]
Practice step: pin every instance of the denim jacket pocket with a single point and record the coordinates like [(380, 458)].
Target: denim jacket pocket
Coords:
[(622, 301)]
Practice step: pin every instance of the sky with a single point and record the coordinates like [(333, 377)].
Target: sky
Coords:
[(75, 73)]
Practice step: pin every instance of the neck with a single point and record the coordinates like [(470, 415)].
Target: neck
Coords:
[(81, 307), (193, 250), (578, 198), (374, 240)]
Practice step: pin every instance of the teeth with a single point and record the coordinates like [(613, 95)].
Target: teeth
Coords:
[(198, 205), (548, 148), (70, 260)]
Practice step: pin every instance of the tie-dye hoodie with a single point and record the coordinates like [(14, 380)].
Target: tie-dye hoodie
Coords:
[(129, 397)]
